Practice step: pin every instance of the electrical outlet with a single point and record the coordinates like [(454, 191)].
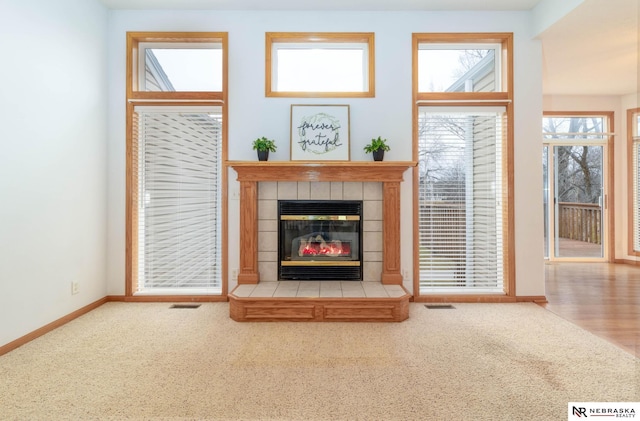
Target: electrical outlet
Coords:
[(405, 274), (234, 275), (74, 288)]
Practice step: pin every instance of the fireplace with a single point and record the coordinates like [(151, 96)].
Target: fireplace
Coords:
[(388, 174), (376, 184), (320, 240)]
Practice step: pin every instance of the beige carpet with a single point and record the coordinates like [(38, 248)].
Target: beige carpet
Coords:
[(128, 361)]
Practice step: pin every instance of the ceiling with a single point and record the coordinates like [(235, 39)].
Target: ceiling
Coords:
[(592, 50)]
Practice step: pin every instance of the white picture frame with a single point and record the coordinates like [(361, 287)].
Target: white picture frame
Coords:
[(320, 133)]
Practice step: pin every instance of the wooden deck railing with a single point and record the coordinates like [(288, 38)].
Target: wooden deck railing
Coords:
[(580, 221)]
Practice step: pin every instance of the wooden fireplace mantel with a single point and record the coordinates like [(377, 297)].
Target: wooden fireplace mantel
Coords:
[(389, 173), (384, 171)]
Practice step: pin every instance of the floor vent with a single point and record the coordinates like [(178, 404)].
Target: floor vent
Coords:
[(439, 306), (185, 306)]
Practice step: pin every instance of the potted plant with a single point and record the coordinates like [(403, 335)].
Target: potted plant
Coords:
[(264, 146), (377, 147)]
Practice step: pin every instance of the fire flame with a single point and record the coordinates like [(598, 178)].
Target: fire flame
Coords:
[(322, 248)]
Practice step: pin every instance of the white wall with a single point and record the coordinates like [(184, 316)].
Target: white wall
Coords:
[(52, 160), (389, 114)]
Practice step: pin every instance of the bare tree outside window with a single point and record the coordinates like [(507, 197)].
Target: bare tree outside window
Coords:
[(458, 70), (579, 167), (468, 59), (441, 163), (460, 178)]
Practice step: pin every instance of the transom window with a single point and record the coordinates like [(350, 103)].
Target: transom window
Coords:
[(473, 66), (575, 129), (320, 64), (182, 65), (470, 68)]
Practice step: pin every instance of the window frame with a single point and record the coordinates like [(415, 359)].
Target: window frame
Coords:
[(502, 98), (315, 39), (136, 98), (607, 143), (135, 50), (633, 201)]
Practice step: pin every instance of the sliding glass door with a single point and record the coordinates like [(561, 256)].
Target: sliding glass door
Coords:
[(574, 188)]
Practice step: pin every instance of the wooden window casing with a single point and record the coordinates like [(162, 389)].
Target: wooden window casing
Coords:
[(505, 91), (134, 39), (503, 97), (316, 38), (633, 180), (137, 98)]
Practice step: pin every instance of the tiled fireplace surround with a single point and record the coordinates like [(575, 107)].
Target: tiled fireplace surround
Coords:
[(270, 192)]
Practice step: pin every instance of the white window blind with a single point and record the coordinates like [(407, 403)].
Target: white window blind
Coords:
[(178, 157), (460, 199), (636, 181)]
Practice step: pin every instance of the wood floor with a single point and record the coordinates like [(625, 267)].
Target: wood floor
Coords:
[(574, 248), (602, 298)]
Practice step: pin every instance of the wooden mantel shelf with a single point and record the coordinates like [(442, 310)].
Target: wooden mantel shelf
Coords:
[(384, 171), (389, 173)]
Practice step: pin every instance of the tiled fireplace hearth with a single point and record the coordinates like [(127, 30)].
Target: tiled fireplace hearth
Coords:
[(377, 185)]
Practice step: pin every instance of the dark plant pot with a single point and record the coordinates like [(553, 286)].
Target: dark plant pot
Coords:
[(263, 155), (378, 155)]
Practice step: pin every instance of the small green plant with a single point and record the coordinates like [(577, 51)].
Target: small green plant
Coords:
[(264, 144), (376, 145)]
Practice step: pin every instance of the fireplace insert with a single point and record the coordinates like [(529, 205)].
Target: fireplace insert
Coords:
[(320, 240)]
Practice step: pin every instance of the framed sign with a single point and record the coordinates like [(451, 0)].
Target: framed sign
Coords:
[(320, 133)]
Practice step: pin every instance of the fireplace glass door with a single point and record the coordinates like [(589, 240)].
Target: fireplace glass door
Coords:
[(320, 240)]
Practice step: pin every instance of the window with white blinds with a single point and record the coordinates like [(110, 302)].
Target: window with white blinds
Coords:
[(177, 165), (635, 165), (460, 199)]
